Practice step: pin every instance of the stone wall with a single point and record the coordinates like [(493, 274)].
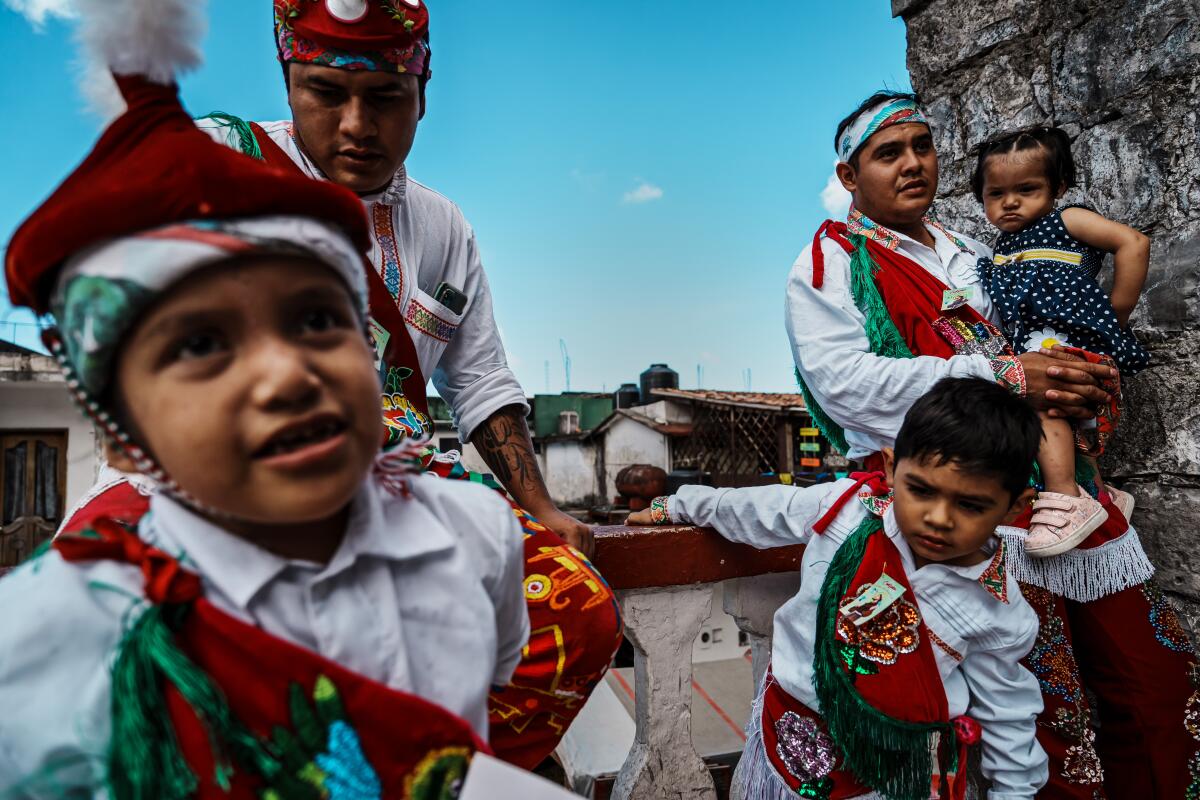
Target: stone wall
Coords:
[(1121, 77)]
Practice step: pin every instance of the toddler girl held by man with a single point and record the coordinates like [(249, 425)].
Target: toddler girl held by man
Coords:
[(1042, 279)]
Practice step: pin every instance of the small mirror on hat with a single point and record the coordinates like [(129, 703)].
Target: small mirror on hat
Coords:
[(348, 11)]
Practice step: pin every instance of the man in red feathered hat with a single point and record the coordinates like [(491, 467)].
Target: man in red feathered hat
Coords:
[(356, 73)]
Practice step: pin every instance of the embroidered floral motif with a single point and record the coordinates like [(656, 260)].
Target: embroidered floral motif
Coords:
[(323, 751), (1191, 722), (882, 640), (1052, 660), (1167, 630), (805, 749), (877, 504), (995, 577), (1191, 713), (401, 419), (439, 776), (385, 232), (429, 323), (1081, 765)]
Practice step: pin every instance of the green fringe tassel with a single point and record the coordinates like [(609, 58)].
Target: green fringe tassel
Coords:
[(891, 756), (144, 759), (247, 142), (833, 433), (882, 335)]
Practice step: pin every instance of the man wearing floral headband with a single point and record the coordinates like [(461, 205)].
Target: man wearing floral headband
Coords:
[(356, 72), (879, 309)]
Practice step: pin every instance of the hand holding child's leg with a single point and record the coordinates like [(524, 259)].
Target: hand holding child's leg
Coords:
[(1064, 514)]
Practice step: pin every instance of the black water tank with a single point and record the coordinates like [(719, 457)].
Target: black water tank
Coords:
[(659, 376), (627, 396)]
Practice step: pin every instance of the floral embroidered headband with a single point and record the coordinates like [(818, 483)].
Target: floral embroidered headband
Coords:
[(894, 111)]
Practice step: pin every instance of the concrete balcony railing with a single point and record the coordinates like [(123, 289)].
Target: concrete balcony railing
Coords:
[(664, 578)]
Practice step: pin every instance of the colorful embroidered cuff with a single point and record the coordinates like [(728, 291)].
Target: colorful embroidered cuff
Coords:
[(660, 513), (1010, 374)]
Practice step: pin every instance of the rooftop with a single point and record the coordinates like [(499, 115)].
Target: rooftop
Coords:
[(745, 399)]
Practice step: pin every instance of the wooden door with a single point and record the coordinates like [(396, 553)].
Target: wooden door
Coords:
[(33, 479)]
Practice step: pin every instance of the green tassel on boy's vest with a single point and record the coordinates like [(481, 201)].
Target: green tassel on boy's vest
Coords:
[(883, 337), (144, 759), (247, 142), (890, 755)]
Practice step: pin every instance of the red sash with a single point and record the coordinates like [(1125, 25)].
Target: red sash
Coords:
[(325, 723), (405, 408), (913, 297)]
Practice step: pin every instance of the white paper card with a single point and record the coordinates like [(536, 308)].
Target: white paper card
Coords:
[(492, 779)]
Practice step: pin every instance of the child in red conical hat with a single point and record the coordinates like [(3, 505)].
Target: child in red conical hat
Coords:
[(296, 616)]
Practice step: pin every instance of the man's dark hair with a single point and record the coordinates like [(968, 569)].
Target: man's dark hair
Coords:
[(977, 425), (873, 100), (1054, 143)]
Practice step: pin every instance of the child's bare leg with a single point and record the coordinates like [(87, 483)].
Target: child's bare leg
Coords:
[(1056, 456)]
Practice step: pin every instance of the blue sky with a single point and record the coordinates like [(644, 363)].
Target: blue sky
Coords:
[(640, 176)]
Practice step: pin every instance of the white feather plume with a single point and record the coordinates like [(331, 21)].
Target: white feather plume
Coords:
[(155, 38)]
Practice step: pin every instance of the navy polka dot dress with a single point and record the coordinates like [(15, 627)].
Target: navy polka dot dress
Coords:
[(1041, 277)]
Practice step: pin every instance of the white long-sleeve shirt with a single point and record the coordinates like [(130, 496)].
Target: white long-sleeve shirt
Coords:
[(868, 395), (420, 239), (979, 634), (424, 594)]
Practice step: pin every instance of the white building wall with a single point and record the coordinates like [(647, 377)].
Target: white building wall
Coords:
[(570, 471), (34, 405)]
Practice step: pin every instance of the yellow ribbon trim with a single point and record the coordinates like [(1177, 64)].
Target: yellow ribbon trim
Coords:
[(1045, 254)]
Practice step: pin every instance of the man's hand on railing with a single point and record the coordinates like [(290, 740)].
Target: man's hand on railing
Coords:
[(656, 514)]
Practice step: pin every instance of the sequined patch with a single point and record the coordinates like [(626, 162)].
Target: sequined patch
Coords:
[(805, 749), (1052, 660), (1167, 630), (888, 636)]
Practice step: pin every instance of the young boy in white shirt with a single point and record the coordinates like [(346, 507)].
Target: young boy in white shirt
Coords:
[(297, 615), (907, 631)]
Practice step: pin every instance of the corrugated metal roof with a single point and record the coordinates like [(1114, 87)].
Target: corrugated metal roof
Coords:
[(749, 399)]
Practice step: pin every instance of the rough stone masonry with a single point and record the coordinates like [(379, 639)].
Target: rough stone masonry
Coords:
[(1122, 79)]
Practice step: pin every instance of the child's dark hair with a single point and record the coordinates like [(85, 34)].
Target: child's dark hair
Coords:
[(873, 100), (1053, 142), (978, 425)]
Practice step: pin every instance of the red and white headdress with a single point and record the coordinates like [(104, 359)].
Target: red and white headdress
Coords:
[(375, 35)]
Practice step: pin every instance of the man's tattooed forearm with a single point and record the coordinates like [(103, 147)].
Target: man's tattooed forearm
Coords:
[(503, 442)]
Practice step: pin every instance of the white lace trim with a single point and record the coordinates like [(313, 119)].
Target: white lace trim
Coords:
[(1081, 575)]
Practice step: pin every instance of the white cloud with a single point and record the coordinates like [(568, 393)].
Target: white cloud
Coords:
[(835, 198), (36, 11), (644, 193)]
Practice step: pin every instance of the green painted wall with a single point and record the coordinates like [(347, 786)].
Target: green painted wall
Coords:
[(546, 408)]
